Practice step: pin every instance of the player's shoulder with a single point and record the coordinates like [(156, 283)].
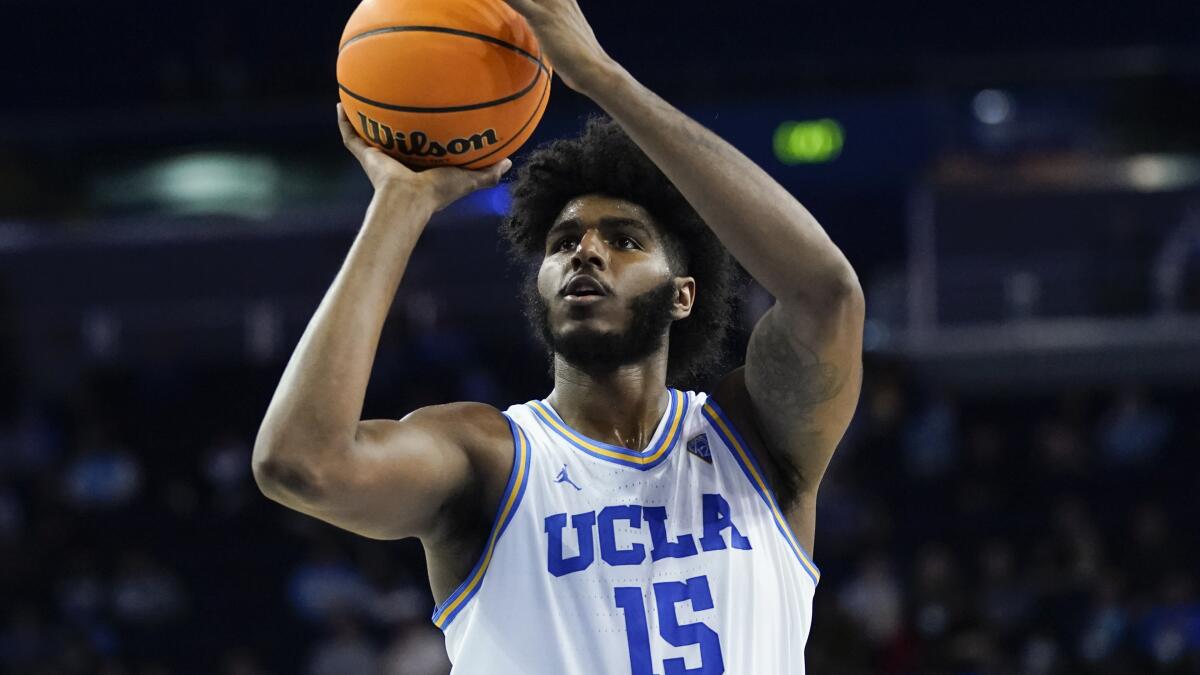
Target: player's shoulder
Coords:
[(483, 434), (473, 425), (468, 412)]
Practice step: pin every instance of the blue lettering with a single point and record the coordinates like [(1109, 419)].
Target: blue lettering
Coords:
[(656, 518), (608, 539), (582, 522), (716, 519), (666, 595), (629, 601)]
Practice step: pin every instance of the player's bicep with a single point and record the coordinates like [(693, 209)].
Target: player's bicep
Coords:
[(398, 477), (803, 375)]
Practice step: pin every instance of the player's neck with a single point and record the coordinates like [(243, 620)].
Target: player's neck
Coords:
[(623, 407)]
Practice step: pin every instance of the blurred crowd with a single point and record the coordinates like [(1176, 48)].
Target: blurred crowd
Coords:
[(1010, 533), (958, 533)]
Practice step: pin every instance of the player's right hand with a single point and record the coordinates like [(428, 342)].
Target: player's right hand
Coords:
[(443, 185)]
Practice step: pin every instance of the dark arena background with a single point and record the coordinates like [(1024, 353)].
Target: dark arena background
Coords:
[(1016, 183)]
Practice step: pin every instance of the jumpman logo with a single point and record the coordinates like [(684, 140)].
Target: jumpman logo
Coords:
[(564, 478)]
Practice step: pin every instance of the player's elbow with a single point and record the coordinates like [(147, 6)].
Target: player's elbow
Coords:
[(843, 287), (294, 466), (285, 481), (836, 293)]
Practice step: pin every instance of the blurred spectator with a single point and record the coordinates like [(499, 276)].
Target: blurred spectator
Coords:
[(326, 584), (873, 600), (346, 651), (1177, 269), (1006, 598), (81, 590), (12, 515), (241, 661), (1152, 546), (29, 441), (1107, 623), (10, 365), (1134, 431), (225, 465), (1059, 448), (396, 604), (1170, 630), (930, 439), (416, 649), (962, 534), (937, 602), (24, 638), (102, 474), (1040, 655), (146, 592)]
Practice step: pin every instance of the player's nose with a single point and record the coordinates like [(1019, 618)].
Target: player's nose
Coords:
[(590, 250)]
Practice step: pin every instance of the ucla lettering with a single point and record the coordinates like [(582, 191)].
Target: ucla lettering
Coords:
[(608, 540), (582, 522), (418, 144), (717, 517), (716, 520), (683, 547)]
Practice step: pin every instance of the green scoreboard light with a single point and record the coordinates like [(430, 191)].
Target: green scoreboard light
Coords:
[(808, 142)]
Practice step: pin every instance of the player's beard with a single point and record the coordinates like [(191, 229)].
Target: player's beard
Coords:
[(597, 352)]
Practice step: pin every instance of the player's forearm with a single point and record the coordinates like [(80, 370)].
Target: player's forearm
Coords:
[(765, 228), (318, 403)]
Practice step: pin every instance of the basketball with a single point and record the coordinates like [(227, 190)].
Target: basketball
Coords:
[(442, 82)]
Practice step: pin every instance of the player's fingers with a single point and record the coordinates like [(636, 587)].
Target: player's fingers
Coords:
[(350, 138), (480, 179), (453, 184), (523, 7), (344, 125), (490, 177)]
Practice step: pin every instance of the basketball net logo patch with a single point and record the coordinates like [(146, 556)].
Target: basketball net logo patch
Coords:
[(698, 446)]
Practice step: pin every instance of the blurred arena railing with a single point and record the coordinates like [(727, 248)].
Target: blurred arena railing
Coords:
[(1053, 269)]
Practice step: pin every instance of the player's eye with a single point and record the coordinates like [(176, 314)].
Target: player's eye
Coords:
[(622, 241)]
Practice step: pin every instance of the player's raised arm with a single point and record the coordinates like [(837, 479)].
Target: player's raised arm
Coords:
[(382, 478), (804, 363)]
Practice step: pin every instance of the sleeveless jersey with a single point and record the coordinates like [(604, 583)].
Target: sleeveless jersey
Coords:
[(609, 561)]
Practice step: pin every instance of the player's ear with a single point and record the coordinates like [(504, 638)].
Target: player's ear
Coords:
[(685, 297)]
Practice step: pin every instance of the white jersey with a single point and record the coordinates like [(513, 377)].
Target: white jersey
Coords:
[(609, 561)]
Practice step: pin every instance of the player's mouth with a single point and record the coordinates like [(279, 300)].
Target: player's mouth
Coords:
[(583, 289), (587, 299)]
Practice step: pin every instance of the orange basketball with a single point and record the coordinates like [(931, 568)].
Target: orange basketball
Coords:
[(442, 82)]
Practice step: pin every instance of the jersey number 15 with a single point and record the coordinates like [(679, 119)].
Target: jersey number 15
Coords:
[(666, 595)]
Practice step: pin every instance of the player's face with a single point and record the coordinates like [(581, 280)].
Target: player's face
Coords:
[(618, 244)]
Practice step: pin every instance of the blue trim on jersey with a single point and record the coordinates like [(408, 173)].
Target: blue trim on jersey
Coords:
[(677, 408), (744, 456), (518, 478)]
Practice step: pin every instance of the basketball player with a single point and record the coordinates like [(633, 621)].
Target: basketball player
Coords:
[(619, 525)]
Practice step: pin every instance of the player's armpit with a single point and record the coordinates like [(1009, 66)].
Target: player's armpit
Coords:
[(401, 478), (803, 376)]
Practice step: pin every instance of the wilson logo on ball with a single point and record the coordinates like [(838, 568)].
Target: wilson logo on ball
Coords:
[(418, 144)]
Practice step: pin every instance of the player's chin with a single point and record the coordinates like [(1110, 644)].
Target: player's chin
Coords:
[(586, 328), (592, 312), (584, 325)]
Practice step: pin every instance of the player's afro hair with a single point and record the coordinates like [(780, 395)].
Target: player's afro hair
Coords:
[(604, 160)]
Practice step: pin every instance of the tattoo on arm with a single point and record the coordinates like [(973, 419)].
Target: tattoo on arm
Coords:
[(790, 381)]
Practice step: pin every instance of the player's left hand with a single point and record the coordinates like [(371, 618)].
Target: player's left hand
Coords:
[(567, 40)]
